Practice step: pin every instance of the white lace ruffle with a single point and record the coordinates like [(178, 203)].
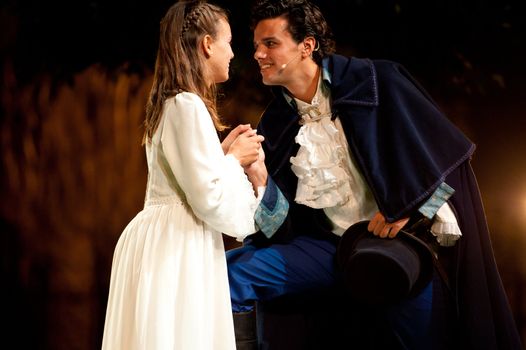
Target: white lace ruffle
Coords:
[(445, 227), (322, 179)]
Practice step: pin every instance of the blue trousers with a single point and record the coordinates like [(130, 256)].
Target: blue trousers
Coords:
[(307, 266)]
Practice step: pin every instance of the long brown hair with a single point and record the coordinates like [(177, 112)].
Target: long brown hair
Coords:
[(180, 66)]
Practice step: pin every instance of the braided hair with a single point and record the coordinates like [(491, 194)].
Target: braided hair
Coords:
[(179, 65)]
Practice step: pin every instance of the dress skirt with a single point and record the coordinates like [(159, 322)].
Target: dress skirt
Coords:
[(169, 284)]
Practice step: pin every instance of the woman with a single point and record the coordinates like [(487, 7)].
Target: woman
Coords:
[(169, 286)]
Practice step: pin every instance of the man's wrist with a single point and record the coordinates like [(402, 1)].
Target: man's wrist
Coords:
[(258, 181)]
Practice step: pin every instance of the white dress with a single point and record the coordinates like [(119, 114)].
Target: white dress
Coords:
[(169, 285)]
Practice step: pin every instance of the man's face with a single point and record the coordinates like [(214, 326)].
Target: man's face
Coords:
[(276, 51)]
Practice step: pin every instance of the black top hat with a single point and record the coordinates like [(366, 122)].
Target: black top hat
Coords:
[(383, 270)]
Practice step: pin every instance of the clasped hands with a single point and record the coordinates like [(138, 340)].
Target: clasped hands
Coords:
[(245, 145)]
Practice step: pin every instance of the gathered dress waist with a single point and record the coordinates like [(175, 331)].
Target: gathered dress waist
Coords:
[(169, 200)]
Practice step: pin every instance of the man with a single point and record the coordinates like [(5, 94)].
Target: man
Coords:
[(347, 140)]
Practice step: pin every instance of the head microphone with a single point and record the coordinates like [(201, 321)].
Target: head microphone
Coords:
[(284, 65)]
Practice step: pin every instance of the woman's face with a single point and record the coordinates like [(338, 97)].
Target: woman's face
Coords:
[(221, 52)]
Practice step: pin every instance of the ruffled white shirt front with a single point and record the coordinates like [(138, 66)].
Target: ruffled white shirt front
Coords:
[(323, 180), (327, 175)]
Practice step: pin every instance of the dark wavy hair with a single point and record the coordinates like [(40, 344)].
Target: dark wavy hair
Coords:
[(305, 20)]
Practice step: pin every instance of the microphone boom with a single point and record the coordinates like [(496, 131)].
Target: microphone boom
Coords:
[(284, 65)]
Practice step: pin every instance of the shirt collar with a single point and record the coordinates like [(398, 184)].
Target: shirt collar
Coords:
[(325, 83)]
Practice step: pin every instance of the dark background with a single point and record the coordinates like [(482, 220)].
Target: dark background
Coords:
[(75, 78)]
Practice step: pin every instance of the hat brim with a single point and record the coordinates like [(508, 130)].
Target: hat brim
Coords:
[(373, 275)]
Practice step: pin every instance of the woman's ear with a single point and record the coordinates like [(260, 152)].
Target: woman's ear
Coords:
[(206, 45)]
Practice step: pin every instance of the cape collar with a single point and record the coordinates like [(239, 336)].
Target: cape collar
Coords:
[(359, 87)]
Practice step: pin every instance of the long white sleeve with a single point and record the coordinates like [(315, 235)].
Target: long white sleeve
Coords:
[(215, 185)]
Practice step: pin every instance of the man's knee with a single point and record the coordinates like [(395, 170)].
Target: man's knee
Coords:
[(254, 274)]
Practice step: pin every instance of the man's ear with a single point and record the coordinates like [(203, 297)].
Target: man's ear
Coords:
[(310, 45), (206, 45)]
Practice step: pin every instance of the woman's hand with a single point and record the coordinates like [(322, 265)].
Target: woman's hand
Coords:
[(245, 147), (232, 135)]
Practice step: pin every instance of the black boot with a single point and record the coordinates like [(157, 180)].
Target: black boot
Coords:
[(245, 330)]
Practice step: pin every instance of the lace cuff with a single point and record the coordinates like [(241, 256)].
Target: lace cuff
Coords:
[(445, 227)]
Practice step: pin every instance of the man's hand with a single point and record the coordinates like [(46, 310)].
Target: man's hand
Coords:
[(379, 227), (257, 172)]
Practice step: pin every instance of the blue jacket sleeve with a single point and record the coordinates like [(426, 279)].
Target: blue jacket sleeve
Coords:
[(272, 210), (437, 199)]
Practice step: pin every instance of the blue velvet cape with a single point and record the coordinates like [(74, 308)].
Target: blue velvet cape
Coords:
[(403, 144), (405, 148)]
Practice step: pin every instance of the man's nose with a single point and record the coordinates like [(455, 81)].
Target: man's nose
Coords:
[(259, 54)]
